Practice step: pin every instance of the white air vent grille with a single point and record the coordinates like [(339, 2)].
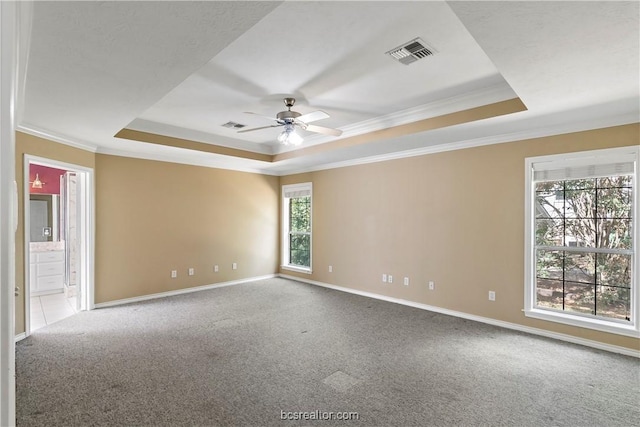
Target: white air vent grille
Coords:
[(233, 125), (411, 51)]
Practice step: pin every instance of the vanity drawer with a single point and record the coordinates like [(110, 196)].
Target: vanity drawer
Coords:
[(50, 269), (50, 256), (50, 282)]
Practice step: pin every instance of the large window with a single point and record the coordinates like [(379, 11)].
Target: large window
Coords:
[(582, 239), (296, 221)]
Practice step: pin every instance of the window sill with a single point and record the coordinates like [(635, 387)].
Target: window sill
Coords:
[(583, 322), (305, 270)]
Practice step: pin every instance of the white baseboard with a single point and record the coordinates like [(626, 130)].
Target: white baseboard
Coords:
[(181, 291), (535, 331), (21, 336)]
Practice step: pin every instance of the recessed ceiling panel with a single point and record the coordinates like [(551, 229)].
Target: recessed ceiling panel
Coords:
[(331, 56), (186, 72)]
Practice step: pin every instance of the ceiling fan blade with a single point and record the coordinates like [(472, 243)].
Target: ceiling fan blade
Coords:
[(323, 130), (259, 115), (313, 116), (263, 127)]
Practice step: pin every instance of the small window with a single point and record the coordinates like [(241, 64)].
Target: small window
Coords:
[(582, 228), (296, 224)]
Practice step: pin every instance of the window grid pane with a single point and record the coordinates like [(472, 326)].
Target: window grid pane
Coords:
[(584, 213), (300, 249), (300, 231), (300, 214)]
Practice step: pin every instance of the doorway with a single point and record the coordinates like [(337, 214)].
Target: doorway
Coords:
[(58, 221)]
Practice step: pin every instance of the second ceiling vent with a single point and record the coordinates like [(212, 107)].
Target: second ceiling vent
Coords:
[(411, 51), (233, 125)]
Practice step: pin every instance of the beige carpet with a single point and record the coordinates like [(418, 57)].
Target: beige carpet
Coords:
[(251, 354)]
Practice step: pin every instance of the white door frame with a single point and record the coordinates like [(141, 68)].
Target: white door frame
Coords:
[(87, 232), (8, 211)]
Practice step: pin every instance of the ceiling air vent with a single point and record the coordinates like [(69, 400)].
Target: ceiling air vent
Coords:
[(233, 125), (411, 51)]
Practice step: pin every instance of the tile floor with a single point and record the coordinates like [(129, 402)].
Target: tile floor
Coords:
[(48, 309)]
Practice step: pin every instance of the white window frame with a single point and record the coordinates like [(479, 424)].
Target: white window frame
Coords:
[(572, 160), (289, 192)]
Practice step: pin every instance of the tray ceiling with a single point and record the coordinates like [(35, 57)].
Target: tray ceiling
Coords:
[(160, 79)]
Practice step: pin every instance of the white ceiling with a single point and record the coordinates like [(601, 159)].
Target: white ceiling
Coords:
[(183, 69)]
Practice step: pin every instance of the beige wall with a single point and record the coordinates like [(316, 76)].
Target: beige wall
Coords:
[(456, 218), (28, 144), (153, 217), (428, 218)]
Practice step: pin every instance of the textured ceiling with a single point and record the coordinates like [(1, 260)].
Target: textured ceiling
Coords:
[(165, 76)]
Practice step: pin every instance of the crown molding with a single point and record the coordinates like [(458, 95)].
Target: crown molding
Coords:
[(52, 136), (176, 156), (231, 163), (209, 160), (158, 128), (477, 142)]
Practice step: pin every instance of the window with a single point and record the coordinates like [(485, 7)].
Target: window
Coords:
[(296, 224), (581, 239)]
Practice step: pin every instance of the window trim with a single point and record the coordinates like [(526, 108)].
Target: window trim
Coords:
[(285, 262), (632, 329)]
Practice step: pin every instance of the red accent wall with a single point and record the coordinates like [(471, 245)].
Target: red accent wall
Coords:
[(50, 178)]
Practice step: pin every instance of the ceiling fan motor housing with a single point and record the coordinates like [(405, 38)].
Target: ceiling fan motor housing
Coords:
[(287, 116)]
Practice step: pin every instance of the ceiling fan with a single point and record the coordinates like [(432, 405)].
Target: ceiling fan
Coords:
[(290, 119)]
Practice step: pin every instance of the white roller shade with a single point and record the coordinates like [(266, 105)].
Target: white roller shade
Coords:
[(590, 167), (293, 191)]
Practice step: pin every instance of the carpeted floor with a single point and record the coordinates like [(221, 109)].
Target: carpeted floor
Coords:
[(243, 355)]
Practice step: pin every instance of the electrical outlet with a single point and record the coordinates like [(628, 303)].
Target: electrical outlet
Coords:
[(492, 296), (215, 268), (384, 278), (432, 285), (390, 278), (330, 269), (192, 272), (406, 281), (234, 266), (174, 274)]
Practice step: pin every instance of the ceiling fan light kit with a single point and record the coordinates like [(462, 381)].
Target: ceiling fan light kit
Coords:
[(289, 136), (290, 119)]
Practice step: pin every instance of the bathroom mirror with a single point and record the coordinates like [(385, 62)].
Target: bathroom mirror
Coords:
[(43, 218)]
